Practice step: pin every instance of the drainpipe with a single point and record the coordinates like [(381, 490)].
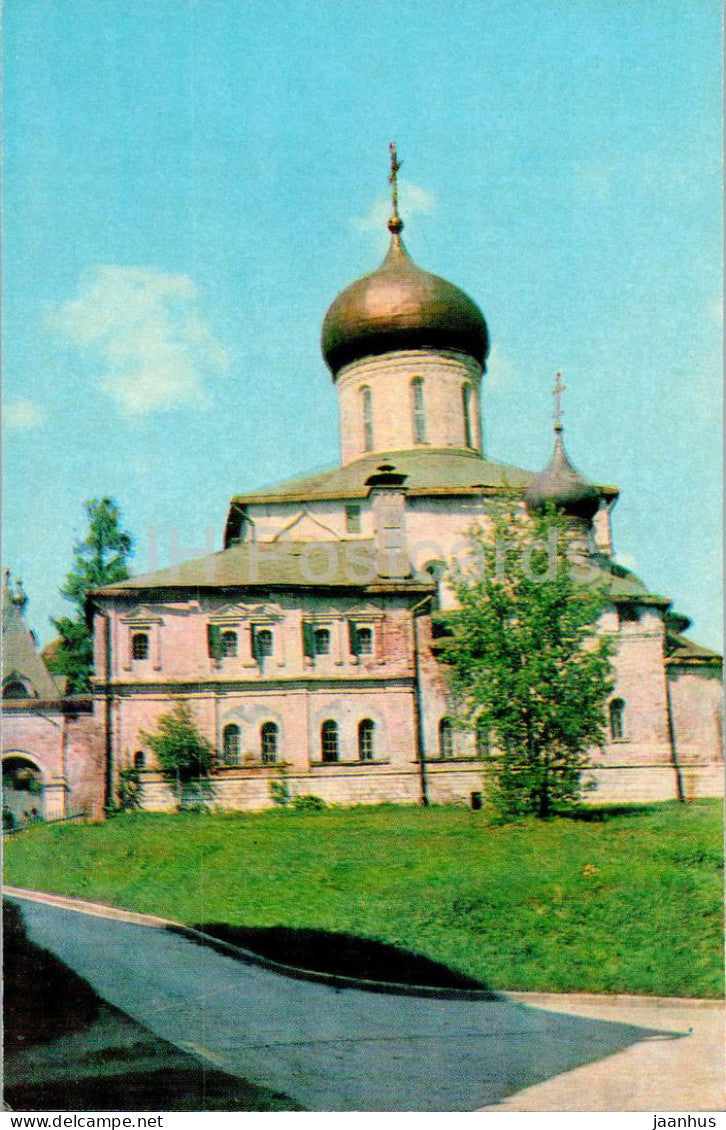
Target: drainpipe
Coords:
[(108, 714), (418, 704), (672, 740)]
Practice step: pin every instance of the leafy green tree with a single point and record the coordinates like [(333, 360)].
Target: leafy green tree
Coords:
[(527, 665), (101, 558), (183, 753)]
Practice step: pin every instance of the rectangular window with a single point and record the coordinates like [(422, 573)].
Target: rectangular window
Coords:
[(229, 644), (352, 519), (419, 411), (263, 642), (365, 641), (322, 641)]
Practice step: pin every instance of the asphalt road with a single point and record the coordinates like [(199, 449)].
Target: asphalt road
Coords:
[(330, 1049)]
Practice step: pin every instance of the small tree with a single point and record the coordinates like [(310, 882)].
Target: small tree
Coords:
[(183, 753), (99, 559), (526, 662)]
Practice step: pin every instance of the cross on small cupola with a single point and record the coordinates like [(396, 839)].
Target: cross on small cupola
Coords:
[(557, 389)]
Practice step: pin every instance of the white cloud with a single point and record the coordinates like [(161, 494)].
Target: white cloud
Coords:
[(22, 415), (143, 329), (501, 373), (412, 200)]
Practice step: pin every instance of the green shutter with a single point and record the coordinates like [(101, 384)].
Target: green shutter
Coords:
[(214, 641), (308, 640), (353, 637), (255, 642)]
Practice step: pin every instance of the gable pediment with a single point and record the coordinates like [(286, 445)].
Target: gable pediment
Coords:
[(243, 613), (140, 615), (304, 527)]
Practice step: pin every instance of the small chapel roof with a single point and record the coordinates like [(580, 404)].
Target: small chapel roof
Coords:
[(22, 662), (339, 563)]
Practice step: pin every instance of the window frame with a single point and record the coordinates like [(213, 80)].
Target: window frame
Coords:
[(616, 720), (446, 739), (366, 740), (263, 632), (318, 632), (329, 742), (231, 750), (229, 643), (268, 730), (138, 634), (466, 398), (366, 398), (368, 632), (353, 518), (418, 410)]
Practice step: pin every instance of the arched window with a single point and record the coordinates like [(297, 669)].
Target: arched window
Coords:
[(230, 744), (322, 641), (139, 759), (446, 738), (329, 741), (365, 641), (617, 720), (466, 408), (140, 645), (419, 410), (483, 738), (264, 643), (228, 640), (15, 689), (268, 742), (366, 400), (366, 731)]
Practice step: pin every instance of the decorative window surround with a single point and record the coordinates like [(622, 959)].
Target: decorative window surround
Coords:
[(370, 618), (141, 619), (243, 618)]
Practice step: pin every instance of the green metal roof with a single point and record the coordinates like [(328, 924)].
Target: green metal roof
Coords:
[(428, 471), (443, 471), (345, 563)]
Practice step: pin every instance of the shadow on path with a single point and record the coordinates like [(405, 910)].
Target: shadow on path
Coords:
[(346, 955), (330, 1048), (66, 1049)]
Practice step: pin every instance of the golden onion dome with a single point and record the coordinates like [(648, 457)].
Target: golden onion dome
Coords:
[(400, 306)]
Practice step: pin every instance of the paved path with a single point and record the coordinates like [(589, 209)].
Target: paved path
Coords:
[(347, 1049)]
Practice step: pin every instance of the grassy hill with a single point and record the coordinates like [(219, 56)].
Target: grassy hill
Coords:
[(624, 901)]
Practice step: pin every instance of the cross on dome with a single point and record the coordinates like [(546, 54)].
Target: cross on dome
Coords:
[(395, 224)]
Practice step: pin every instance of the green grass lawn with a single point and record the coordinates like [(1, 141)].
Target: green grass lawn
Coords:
[(629, 903)]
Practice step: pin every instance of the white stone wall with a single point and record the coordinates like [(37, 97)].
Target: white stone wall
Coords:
[(697, 704), (389, 378)]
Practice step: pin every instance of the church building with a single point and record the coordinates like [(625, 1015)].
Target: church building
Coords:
[(306, 648)]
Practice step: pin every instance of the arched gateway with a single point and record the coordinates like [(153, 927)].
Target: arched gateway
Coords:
[(23, 790)]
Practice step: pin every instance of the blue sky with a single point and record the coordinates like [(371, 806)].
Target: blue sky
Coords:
[(189, 183)]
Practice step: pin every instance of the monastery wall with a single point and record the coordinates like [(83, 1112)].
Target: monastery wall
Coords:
[(69, 751)]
